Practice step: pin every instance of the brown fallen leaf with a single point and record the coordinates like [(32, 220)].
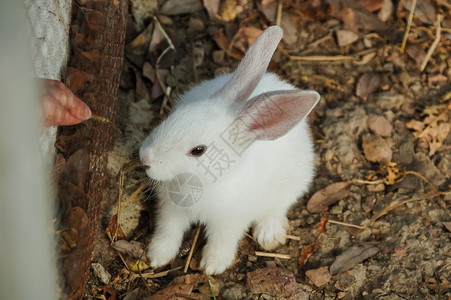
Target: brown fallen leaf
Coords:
[(132, 248), (327, 196), (319, 276), (111, 230), (224, 43), (306, 252), (212, 7), (371, 5), (424, 10), (368, 84), (434, 128), (228, 10), (351, 257), (416, 52), (324, 220), (109, 292), (137, 49), (141, 90), (180, 7)]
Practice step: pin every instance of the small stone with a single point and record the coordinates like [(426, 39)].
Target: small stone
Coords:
[(377, 149), (376, 188), (319, 276), (252, 258), (379, 125), (346, 37), (276, 282), (101, 273)]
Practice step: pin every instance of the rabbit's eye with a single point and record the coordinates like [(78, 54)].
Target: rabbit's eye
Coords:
[(198, 150)]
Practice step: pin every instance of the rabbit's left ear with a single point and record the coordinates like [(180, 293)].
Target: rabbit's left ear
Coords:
[(273, 114), (252, 68)]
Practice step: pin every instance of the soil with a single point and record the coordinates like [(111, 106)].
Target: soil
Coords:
[(358, 126)]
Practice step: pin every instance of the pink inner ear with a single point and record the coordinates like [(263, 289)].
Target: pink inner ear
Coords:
[(272, 115)]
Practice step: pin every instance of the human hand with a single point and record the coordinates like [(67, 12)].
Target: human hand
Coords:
[(61, 106)]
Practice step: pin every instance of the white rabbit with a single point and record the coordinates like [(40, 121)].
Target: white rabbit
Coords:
[(235, 152)]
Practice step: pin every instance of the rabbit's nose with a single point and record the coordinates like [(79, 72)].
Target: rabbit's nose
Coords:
[(145, 164)]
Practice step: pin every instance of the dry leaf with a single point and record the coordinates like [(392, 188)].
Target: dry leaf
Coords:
[(306, 252), (435, 127), (391, 173), (416, 52), (149, 72), (228, 10), (325, 197), (111, 229), (109, 292), (139, 266), (224, 43), (139, 46), (368, 84), (351, 257), (132, 248), (322, 226), (141, 90), (424, 10), (180, 7), (212, 7), (371, 5)]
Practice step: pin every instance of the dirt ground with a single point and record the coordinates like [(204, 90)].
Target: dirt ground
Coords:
[(375, 223)]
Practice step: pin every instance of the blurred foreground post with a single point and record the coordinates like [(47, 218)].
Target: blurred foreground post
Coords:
[(26, 247)]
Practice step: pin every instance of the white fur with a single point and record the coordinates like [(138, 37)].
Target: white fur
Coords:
[(257, 190)]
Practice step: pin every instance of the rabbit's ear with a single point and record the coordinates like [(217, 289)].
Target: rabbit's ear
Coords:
[(253, 66), (273, 114)]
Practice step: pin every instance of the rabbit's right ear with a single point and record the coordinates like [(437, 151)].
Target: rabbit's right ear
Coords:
[(253, 66), (273, 114)]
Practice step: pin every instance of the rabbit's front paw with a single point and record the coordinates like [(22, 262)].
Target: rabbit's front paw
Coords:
[(271, 232), (215, 261), (161, 253)]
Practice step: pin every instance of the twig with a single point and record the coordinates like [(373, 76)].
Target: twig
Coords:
[(434, 189), (438, 35), (322, 58), (358, 181), (157, 64), (398, 203), (135, 194), (124, 168), (279, 12), (155, 275), (293, 237), (320, 40), (347, 224), (273, 255), (191, 251), (409, 23)]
